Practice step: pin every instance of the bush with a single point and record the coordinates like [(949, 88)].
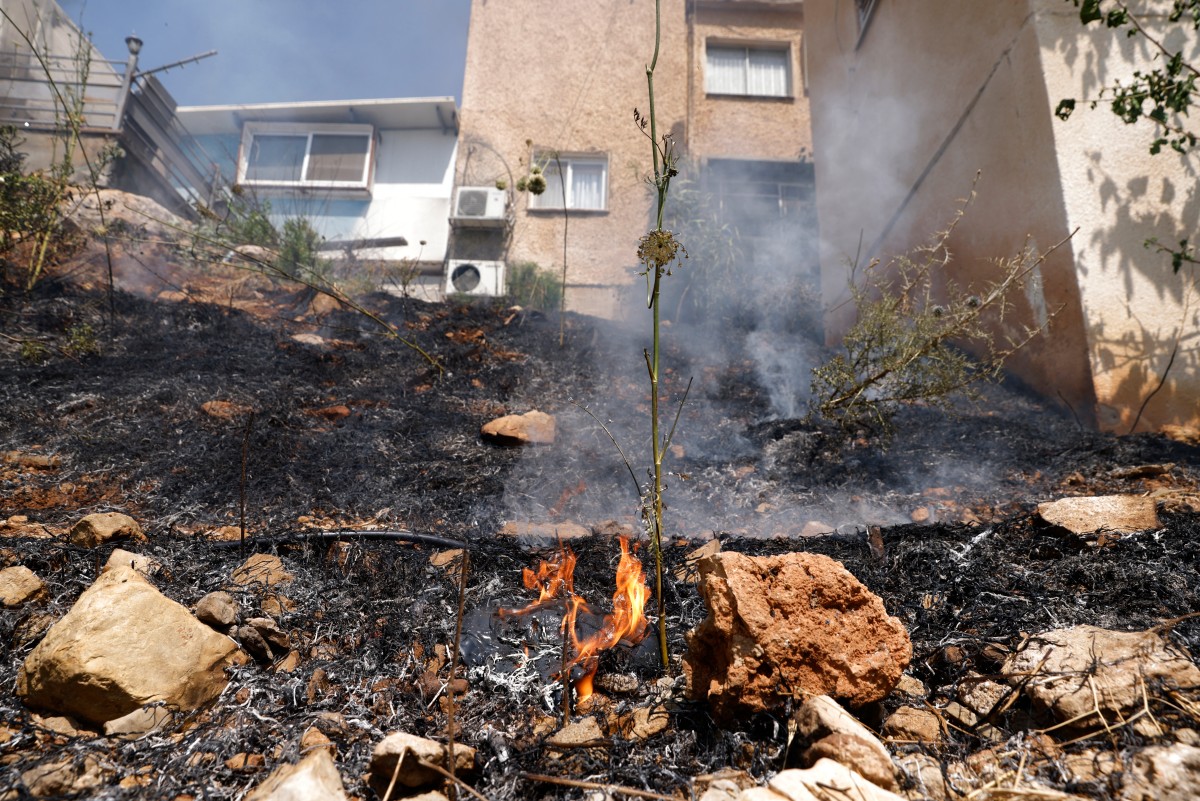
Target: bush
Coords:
[(529, 285), (29, 208), (299, 245)]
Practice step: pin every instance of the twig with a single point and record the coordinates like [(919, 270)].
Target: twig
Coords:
[(582, 785), (1162, 380), (242, 488), (438, 768), (563, 669), (458, 621)]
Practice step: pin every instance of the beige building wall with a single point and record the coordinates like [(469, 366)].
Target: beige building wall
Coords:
[(542, 77), (906, 113), (566, 78), (768, 129)]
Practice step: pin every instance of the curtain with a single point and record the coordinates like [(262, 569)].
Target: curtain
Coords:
[(726, 73), (767, 73), (587, 185)]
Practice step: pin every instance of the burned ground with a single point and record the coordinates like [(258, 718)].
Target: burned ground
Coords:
[(361, 431)]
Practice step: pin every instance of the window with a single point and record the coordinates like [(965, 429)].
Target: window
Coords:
[(750, 71), (586, 183), (328, 156)]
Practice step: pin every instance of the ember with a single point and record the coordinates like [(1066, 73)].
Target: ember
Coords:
[(554, 579)]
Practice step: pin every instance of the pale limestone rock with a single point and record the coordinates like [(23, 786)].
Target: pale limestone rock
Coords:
[(146, 565), (217, 609), (314, 778), (139, 721), (261, 568), (531, 428), (1163, 773), (1117, 514), (825, 730), (583, 732), (1070, 671), (548, 533), (799, 621), (124, 645), (19, 585), (104, 526), (412, 774), (827, 780), (65, 776), (911, 724)]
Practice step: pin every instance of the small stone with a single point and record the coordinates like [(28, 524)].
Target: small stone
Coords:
[(909, 724), (313, 738), (20, 585), (314, 778), (617, 683), (920, 515), (244, 762), (585, 732), (269, 630), (217, 609), (101, 527), (689, 571), (649, 722), (139, 721), (911, 686), (224, 410), (1112, 514), (531, 428), (813, 783), (825, 730), (544, 533), (64, 777), (253, 643), (261, 568), (289, 663), (411, 773)]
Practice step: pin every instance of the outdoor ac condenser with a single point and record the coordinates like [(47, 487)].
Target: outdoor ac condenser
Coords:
[(481, 278), (479, 207)]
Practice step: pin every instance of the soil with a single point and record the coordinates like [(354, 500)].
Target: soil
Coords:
[(359, 430)]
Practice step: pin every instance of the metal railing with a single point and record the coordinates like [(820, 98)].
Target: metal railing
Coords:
[(33, 90)]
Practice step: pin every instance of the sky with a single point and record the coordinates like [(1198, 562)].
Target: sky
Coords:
[(288, 50)]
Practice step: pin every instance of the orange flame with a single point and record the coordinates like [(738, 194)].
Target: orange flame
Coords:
[(627, 622)]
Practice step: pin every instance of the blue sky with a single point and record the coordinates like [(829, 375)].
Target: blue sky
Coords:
[(288, 50)]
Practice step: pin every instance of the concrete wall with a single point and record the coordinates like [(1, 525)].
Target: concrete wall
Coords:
[(567, 79), (1136, 309), (744, 127)]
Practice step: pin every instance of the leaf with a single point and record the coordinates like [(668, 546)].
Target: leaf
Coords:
[(1065, 107), (1089, 11)]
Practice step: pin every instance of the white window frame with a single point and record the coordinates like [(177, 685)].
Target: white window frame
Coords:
[(253, 129), (552, 199), (749, 47)]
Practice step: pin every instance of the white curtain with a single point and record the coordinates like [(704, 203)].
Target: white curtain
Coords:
[(587, 185), (767, 73), (726, 73)]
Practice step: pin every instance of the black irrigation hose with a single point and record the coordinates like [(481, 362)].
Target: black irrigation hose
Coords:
[(292, 537)]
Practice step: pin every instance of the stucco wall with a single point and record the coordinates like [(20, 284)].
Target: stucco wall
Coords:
[(1136, 309), (741, 127), (568, 79), (903, 121)]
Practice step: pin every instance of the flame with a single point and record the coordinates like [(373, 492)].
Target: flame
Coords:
[(554, 579)]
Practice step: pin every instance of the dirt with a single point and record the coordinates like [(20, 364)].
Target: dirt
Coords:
[(360, 430)]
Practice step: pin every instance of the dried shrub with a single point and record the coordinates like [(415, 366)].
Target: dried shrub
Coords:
[(907, 343)]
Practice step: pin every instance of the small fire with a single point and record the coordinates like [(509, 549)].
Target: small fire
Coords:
[(554, 580)]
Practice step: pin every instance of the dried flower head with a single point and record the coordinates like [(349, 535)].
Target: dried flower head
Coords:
[(658, 248), (536, 183)]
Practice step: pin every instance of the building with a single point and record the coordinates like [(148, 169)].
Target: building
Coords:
[(910, 100), (371, 176), (556, 89)]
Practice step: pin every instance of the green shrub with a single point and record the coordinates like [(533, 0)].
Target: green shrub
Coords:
[(299, 245), (29, 208), (529, 285)]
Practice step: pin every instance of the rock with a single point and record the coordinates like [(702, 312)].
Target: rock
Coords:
[(314, 778), (64, 777), (225, 410), (139, 721), (312, 340), (825, 730), (314, 739), (818, 783), (146, 565), (689, 571), (648, 722), (584, 732), (1071, 671), (910, 686), (544, 533), (254, 643), (1117, 514), (411, 773), (724, 785), (270, 631), (124, 645), (19, 585), (909, 724), (261, 568), (1163, 773), (531, 428), (923, 774), (36, 461), (798, 621), (217, 609), (104, 526)]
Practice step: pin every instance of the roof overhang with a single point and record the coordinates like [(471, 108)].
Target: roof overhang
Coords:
[(415, 113)]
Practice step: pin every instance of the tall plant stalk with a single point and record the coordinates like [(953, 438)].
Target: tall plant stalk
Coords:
[(657, 250)]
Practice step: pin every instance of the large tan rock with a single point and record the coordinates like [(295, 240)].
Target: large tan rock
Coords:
[(531, 428), (121, 646), (1085, 671), (314, 778), (96, 529), (1163, 773), (790, 625)]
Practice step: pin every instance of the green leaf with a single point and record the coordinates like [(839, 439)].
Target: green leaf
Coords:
[(1064, 108), (1089, 11)]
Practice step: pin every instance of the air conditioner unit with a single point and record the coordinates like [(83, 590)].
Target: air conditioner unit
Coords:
[(482, 278), (479, 207)]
